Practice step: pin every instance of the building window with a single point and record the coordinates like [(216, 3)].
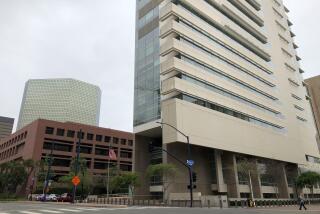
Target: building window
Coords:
[(124, 154), (99, 138), (101, 152), (89, 136), (115, 140), (49, 130), (85, 150), (25, 135), (80, 135), (107, 139), (125, 167), (130, 142), (70, 133), (60, 132), (123, 141)]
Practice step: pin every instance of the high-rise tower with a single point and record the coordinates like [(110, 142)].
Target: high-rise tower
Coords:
[(60, 100), (228, 76)]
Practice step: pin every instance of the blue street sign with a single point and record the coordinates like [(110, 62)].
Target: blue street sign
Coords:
[(190, 162)]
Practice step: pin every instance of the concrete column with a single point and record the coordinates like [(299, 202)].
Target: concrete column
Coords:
[(141, 163), (256, 183), (230, 174), (220, 182), (282, 182)]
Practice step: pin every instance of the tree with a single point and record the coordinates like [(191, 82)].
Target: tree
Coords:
[(13, 174), (166, 172), (272, 171), (247, 167), (308, 179), (86, 182), (125, 180)]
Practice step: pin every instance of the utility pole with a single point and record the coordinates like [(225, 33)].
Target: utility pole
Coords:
[(46, 183), (189, 166), (77, 165)]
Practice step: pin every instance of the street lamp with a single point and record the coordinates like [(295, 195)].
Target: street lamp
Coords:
[(46, 184), (189, 164)]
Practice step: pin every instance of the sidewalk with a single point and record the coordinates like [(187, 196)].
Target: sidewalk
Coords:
[(314, 208), (76, 204)]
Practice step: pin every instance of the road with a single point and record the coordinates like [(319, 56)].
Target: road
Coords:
[(49, 208)]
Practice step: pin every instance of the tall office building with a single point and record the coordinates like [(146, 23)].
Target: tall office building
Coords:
[(313, 85), (6, 125), (226, 74), (60, 100)]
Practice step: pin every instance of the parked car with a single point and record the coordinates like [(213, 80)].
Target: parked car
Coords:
[(65, 197), (39, 197), (52, 197), (49, 197)]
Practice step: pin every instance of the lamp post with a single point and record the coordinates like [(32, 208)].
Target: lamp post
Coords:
[(48, 174), (189, 158)]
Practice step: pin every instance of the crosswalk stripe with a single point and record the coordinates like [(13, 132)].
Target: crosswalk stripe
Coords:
[(68, 210), (29, 212), (50, 211)]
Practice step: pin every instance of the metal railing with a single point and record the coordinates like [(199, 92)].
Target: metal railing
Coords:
[(242, 202)]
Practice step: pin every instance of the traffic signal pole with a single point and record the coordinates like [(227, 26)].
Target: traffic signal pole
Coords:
[(190, 173), (77, 165), (189, 158)]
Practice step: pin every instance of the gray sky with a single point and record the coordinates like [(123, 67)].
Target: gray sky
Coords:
[(93, 41)]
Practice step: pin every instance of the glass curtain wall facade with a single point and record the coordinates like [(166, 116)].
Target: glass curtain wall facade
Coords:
[(147, 75)]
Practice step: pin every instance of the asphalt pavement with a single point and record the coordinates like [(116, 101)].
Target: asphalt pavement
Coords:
[(55, 208)]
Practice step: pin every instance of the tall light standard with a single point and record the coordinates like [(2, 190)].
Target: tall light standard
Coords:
[(47, 179), (189, 164)]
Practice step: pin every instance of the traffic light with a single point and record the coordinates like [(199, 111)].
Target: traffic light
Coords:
[(194, 177)]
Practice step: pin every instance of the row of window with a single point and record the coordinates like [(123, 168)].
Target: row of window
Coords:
[(246, 11), (65, 162), (221, 74), (222, 44), (235, 19), (86, 149), (11, 151), (229, 94), (312, 159), (89, 136), (225, 61), (249, 46), (14, 140), (231, 112)]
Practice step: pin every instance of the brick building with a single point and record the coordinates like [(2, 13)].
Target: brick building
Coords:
[(35, 141)]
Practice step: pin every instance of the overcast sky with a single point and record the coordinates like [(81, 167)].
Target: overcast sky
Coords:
[(93, 41)]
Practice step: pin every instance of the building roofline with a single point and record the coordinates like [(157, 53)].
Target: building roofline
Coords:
[(6, 119)]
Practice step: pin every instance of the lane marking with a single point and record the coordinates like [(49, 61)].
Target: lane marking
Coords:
[(68, 210), (29, 212), (50, 211), (88, 208)]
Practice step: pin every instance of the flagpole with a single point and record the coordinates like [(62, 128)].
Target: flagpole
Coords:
[(108, 173)]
